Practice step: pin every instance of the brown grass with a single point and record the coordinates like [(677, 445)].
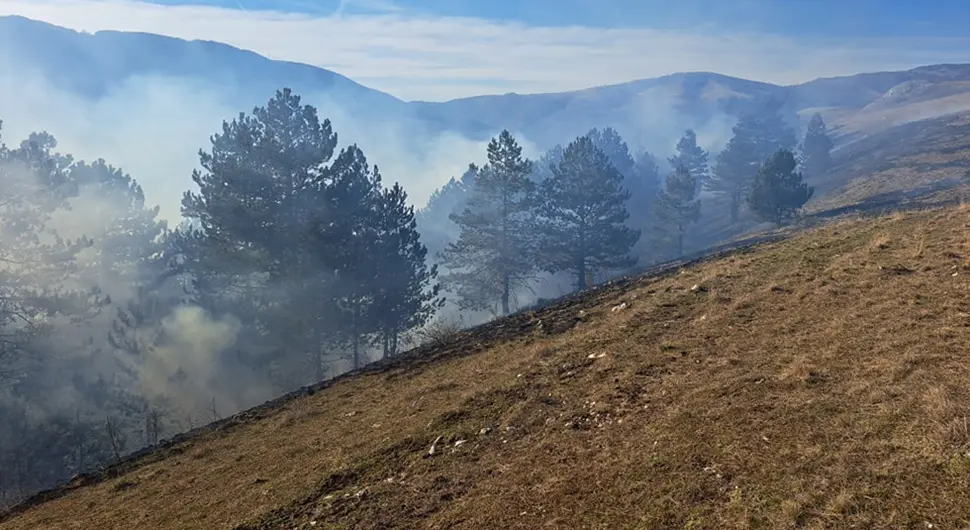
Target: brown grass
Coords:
[(822, 382), (916, 155)]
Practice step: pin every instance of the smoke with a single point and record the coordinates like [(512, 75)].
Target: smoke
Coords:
[(406, 149), (152, 127), (195, 361)]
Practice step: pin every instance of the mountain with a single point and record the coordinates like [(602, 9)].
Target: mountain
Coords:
[(91, 64), (649, 111)]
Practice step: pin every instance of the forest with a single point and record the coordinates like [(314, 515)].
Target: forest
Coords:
[(296, 260)]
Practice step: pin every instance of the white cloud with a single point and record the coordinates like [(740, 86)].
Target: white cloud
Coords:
[(435, 58)]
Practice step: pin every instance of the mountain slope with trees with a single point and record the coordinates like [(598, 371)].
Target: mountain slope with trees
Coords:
[(629, 405), (300, 259)]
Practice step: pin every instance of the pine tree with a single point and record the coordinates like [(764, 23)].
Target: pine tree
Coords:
[(582, 215), (644, 187), (259, 192), (348, 238), (492, 257), (692, 157), (405, 297), (778, 192), (733, 171), (678, 205), (816, 148), (757, 136), (767, 130), (611, 144), (542, 169), (38, 279)]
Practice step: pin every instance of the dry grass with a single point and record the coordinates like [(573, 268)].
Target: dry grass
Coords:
[(892, 162), (823, 382)]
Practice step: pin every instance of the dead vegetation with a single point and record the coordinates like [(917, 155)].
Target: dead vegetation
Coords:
[(898, 165), (821, 382)]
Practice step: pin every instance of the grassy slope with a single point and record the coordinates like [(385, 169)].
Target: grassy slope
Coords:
[(857, 413), (907, 157), (823, 382)]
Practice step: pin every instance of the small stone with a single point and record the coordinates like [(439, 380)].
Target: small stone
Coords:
[(434, 445)]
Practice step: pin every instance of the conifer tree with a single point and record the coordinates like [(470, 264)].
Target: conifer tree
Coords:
[(757, 136), (260, 190), (611, 144), (347, 236), (493, 256), (693, 158), (778, 193), (542, 169), (38, 272), (678, 205), (817, 147), (645, 185), (583, 214), (404, 295)]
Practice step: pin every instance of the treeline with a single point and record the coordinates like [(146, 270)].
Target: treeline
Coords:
[(296, 261), (593, 210)]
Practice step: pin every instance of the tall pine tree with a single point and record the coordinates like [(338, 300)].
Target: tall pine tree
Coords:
[(757, 136), (259, 191), (611, 144), (693, 158), (778, 192), (492, 257), (816, 148), (678, 205), (583, 214), (405, 296)]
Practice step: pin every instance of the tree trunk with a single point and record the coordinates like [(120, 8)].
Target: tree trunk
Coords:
[(735, 206), (581, 275), (505, 294), (356, 332), (680, 240), (318, 363)]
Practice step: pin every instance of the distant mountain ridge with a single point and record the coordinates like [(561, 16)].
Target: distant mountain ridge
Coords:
[(649, 113)]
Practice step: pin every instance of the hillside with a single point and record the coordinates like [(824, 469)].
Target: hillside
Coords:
[(650, 113), (815, 382), (903, 158), (91, 65)]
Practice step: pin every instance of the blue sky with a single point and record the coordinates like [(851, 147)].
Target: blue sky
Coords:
[(854, 18), (442, 49)]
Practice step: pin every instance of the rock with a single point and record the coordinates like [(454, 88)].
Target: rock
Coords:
[(434, 445)]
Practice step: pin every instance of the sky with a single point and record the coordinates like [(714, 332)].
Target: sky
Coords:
[(444, 49)]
